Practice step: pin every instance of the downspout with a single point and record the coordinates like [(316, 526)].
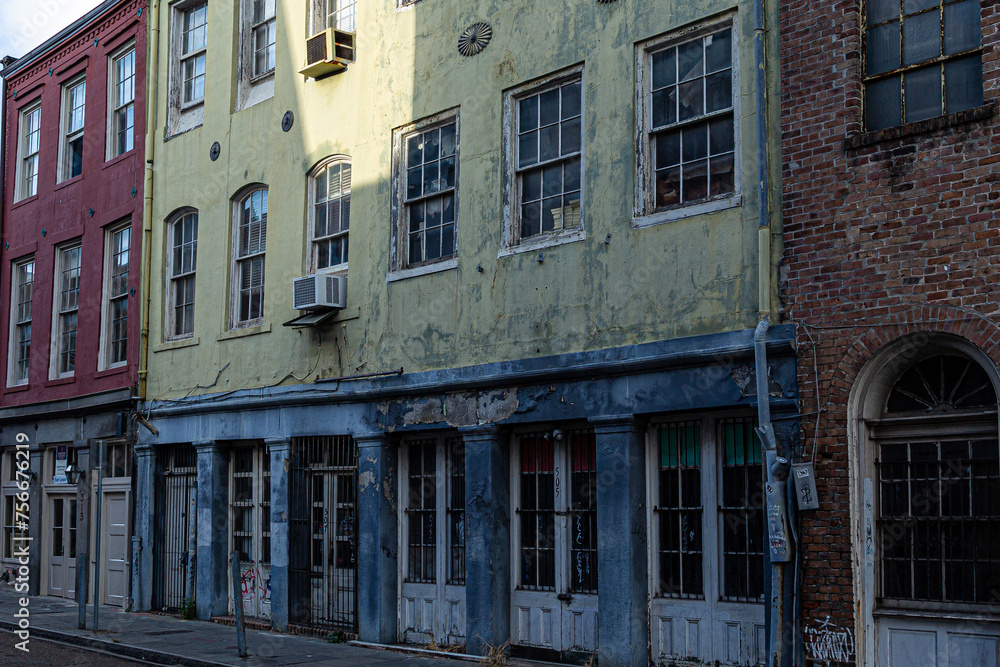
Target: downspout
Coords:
[(775, 468), (152, 65)]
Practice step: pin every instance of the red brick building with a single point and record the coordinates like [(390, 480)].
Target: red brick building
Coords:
[(891, 160), (74, 129)]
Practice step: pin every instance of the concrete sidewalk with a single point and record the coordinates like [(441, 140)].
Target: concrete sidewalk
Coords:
[(171, 641)]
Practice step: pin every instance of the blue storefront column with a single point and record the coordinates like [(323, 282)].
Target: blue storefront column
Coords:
[(623, 619), (378, 560), (145, 499), (212, 565), (487, 539), (280, 451)]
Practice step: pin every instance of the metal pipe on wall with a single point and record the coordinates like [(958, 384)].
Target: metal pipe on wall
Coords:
[(152, 64)]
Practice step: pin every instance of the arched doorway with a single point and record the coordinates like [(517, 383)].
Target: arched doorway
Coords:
[(924, 429)]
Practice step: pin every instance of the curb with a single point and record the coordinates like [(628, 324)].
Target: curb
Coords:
[(125, 650)]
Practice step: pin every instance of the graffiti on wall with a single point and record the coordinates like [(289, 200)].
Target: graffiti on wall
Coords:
[(825, 642), (253, 584)]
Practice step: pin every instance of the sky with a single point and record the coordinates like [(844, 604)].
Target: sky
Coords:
[(28, 23)]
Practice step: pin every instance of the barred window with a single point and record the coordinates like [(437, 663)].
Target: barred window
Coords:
[(922, 59)]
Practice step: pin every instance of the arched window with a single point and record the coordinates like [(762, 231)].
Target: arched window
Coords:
[(182, 260), (330, 214), (250, 243), (936, 478)]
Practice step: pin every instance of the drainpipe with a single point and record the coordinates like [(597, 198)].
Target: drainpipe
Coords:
[(152, 64), (775, 467)]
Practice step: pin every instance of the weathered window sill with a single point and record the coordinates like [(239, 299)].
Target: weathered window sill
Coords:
[(689, 211), (920, 127), (58, 381), (116, 370), (13, 389), (426, 269), (548, 241), (246, 331), (176, 344)]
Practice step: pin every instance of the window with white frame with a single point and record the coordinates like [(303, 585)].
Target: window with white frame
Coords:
[(263, 28), (30, 135), (426, 224), (121, 110), (687, 117), (182, 259), (23, 274), (545, 126), (339, 14), (193, 43), (66, 306), (250, 238), (73, 111), (330, 214), (116, 260)]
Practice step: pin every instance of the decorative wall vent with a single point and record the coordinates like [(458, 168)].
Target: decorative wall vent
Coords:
[(475, 38)]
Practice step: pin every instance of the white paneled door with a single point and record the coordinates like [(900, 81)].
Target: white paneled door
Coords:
[(706, 543), (554, 554), (61, 551), (115, 553), (432, 536)]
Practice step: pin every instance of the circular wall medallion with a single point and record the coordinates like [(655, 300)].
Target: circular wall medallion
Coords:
[(475, 38), (214, 152), (287, 121)]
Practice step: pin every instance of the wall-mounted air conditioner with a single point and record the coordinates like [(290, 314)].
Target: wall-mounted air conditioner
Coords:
[(319, 292), (328, 52)]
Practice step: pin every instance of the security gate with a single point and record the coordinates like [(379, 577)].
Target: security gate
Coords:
[(250, 526), (554, 493), (175, 528), (706, 529), (323, 573), (432, 531)]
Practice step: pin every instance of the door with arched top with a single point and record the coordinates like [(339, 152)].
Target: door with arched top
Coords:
[(930, 543)]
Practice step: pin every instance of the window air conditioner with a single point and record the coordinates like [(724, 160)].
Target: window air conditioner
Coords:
[(328, 52), (319, 292)]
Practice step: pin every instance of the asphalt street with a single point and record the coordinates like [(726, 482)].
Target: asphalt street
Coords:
[(49, 654)]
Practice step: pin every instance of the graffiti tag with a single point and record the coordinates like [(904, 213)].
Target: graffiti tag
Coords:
[(825, 642)]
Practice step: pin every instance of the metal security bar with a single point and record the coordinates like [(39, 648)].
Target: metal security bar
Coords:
[(741, 512), (537, 513), (583, 512), (939, 521), (323, 540), (455, 452), (678, 511), (174, 528), (421, 511)]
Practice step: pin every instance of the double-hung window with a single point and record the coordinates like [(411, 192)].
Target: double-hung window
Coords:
[(74, 107), (67, 306), (427, 182), (21, 299), (182, 260), (331, 214), (248, 266), (30, 134), (116, 296), (545, 126), (687, 116), (263, 27), (193, 43), (922, 58), (339, 14), (121, 121)]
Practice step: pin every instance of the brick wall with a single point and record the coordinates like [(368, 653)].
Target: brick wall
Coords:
[(886, 234)]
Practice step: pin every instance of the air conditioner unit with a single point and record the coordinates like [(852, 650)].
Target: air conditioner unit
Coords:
[(328, 52), (319, 292)]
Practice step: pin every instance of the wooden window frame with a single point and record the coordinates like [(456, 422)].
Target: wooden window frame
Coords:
[(106, 358), (174, 278), (58, 312), (236, 321), (16, 321), (27, 186), (313, 261), (67, 133), (114, 148)]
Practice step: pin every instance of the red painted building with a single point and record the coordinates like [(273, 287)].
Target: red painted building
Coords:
[(891, 192), (74, 129)]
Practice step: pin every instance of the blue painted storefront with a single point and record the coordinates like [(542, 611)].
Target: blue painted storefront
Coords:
[(614, 391)]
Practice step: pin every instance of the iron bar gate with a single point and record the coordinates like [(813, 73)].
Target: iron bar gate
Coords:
[(175, 525), (323, 572)]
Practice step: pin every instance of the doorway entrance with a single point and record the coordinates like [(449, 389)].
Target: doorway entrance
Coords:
[(175, 534), (63, 515), (250, 526), (432, 530), (554, 533)]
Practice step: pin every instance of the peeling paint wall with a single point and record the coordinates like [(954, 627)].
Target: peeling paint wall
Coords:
[(687, 277)]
